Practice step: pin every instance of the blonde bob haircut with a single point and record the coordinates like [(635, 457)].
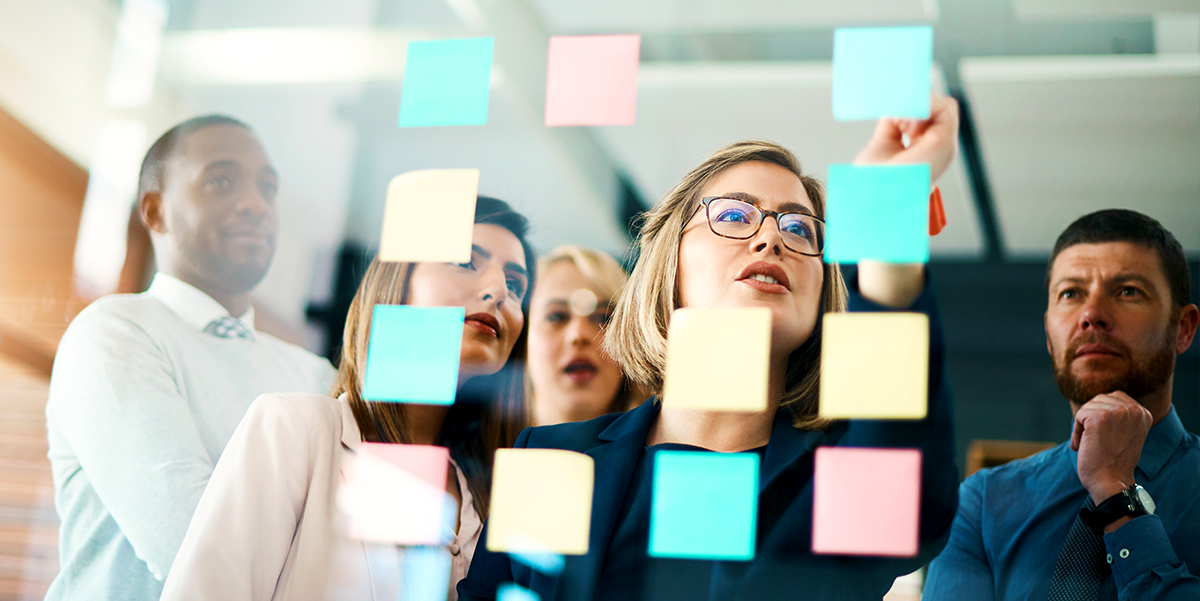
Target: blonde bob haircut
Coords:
[(597, 268), (637, 334)]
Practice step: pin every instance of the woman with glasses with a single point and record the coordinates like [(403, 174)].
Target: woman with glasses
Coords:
[(571, 379), (265, 526), (745, 229)]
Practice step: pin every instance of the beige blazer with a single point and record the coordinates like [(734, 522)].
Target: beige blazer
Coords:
[(267, 525)]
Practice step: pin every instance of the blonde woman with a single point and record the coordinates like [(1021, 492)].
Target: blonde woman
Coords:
[(265, 525), (745, 229), (571, 378)]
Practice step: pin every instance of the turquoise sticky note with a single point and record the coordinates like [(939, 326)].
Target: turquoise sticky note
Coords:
[(878, 212), (412, 356), (426, 574), (704, 505), (513, 592), (446, 82), (882, 72)]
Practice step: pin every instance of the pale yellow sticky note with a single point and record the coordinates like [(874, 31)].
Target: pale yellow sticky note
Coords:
[(430, 216), (541, 502), (717, 359), (875, 366)]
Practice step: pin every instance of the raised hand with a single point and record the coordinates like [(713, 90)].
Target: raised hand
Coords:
[(933, 140)]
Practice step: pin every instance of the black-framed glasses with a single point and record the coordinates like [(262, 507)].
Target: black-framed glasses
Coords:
[(741, 220)]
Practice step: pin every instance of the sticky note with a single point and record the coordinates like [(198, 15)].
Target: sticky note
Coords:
[(874, 366), (430, 216), (882, 72), (515, 592), (878, 212), (592, 80), (412, 355), (704, 505), (446, 82), (544, 562), (426, 575), (866, 501), (717, 359), (541, 501), (396, 493)]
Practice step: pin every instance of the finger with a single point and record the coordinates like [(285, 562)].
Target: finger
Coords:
[(1076, 433)]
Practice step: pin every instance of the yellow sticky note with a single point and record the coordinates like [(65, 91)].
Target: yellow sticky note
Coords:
[(875, 366), (717, 359), (430, 216), (541, 502)]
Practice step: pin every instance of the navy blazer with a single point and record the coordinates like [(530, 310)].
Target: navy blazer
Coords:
[(784, 566)]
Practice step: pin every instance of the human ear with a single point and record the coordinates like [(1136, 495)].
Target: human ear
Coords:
[(1189, 318), (150, 209)]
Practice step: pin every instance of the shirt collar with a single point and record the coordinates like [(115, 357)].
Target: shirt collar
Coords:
[(190, 303), (1161, 442)]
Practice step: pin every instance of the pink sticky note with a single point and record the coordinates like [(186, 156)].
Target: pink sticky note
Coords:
[(866, 501), (396, 493), (592, 80)]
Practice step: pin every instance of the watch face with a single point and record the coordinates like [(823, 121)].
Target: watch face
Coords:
[(1146, 500)]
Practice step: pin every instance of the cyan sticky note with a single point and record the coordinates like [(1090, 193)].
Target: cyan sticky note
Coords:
[(413, 353), (515, 592), (592, 80), (426, 574), (882, 72), (446, 82), (849, 517), (704, 505), (878, 212)]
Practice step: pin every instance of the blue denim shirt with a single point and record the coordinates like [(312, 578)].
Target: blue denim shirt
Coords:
[(1012, 521)]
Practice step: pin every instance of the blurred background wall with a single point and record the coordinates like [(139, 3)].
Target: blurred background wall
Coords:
[(1069, 106)]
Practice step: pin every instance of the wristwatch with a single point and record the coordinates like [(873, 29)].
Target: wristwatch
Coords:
[(1133, 501)]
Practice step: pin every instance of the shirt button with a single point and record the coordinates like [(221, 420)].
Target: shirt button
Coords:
[(455, 549), (1110, 558), (1124, 553)]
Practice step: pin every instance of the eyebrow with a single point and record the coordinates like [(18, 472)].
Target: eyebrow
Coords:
[(785, 207), (517, 267), (1120, 277), (227, 163)]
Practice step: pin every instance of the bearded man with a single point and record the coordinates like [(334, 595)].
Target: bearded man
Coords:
[(1114, 513)]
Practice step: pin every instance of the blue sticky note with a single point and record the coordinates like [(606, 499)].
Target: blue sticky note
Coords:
[(426, 574), (513, 592), (546, 563), (413, 353), (878, 212), (446, 82), (882, 72), (704, 505)]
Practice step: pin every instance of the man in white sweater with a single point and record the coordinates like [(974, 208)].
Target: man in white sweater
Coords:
[(147, 388)]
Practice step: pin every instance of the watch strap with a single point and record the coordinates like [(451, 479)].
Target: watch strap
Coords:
[(1124, 503)]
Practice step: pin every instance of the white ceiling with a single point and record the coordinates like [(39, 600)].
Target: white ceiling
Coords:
[(1063, 136)]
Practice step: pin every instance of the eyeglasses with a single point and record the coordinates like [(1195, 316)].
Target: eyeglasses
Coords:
[(741, 220)]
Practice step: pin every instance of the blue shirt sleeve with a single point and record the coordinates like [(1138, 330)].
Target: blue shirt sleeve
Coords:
[(962, 570), (1144, 564)]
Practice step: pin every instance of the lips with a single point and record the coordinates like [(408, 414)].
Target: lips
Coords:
[(581, 370), (1096, 347), (765, 277), (254, 234), (484, 322)]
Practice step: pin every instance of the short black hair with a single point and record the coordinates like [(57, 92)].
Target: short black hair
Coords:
[(151, 176), (1123, 225)]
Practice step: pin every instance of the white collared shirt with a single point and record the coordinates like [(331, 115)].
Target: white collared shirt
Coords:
[(142, 403)]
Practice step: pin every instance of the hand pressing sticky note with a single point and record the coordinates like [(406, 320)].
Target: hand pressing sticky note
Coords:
[(878, 212), (882, 72), (592, 80), (430, 216), (866, 501), (717, 359), (396, 493), (541, 502), (704, 505), (446, 82), (874, 366), (413, 353)]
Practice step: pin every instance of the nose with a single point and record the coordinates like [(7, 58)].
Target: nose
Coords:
[(1096, 314), (494, 287), (253, 202), (767, 239), (579, 331)]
